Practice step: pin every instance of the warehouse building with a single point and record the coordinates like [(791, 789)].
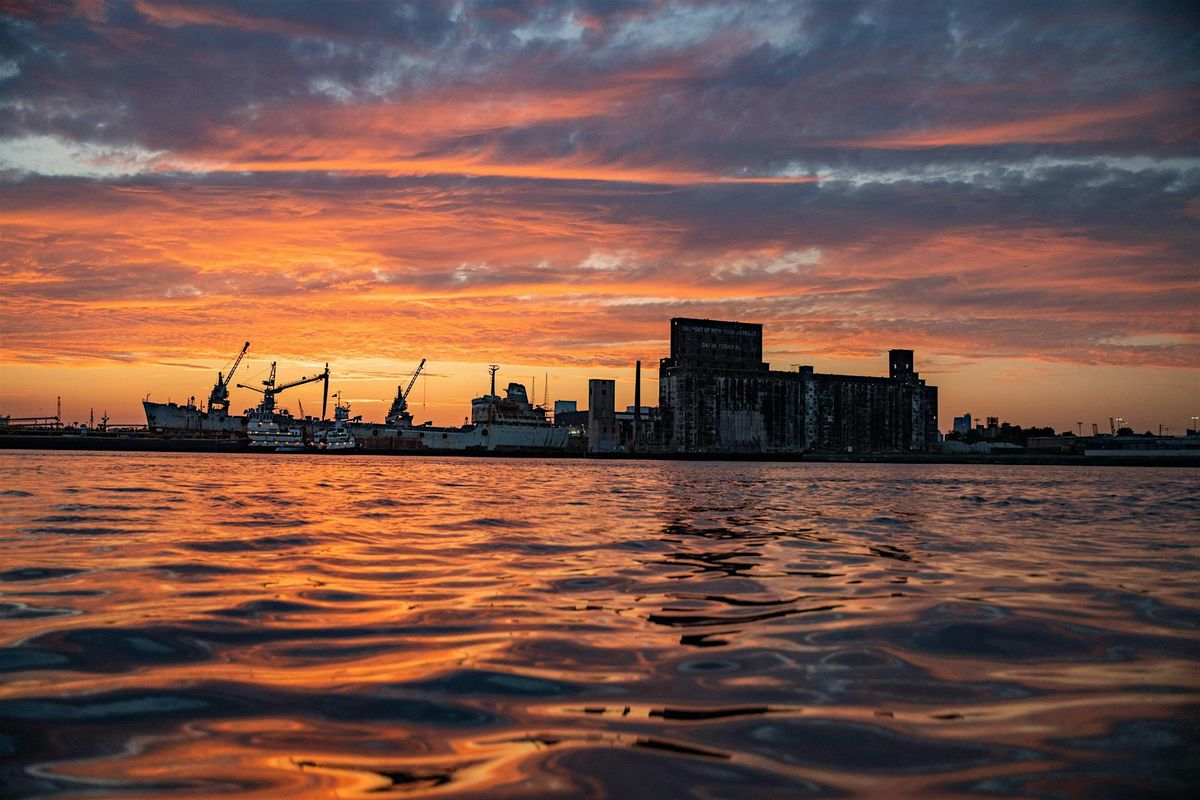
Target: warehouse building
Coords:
[(717, 395)]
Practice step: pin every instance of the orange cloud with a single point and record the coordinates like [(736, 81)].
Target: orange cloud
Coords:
[(1080, 125), (436, 134), (154, 272)]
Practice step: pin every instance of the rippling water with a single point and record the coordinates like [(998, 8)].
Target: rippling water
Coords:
[(298, 626)]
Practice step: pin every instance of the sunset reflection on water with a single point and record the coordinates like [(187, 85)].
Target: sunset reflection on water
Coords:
[(266, 626)]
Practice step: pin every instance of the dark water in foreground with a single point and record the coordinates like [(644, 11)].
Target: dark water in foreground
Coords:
[(296, 626)]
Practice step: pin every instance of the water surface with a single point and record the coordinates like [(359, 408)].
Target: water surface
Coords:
[(261, 626)]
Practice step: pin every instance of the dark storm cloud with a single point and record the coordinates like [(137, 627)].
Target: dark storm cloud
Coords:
[(734, 87), (163, 75)]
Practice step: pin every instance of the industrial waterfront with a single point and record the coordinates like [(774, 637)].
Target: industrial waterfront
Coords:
[(717, 398), (262, 625)]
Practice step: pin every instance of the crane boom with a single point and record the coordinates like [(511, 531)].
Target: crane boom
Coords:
[(320, 376), (267, 406), (414, 379), (269, 383), (236, 362)]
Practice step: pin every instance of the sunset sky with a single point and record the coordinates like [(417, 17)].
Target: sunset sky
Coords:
[(1010, 189)]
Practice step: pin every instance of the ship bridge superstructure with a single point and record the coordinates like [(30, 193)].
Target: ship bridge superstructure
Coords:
[(513, 409)]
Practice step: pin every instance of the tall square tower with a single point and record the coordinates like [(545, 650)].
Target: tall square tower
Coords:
[(602, 415)]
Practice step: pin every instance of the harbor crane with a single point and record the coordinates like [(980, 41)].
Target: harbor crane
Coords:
[(267, 406), (398, 413), (219, 397), (413, 382)]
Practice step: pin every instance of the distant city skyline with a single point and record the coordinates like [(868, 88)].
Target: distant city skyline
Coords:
[(1008, 191)]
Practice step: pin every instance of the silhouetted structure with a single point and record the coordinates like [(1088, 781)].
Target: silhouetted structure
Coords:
[(602, 417), (716, 394)]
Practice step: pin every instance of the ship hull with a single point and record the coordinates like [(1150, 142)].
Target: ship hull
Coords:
[(173, 417), (493, 437)]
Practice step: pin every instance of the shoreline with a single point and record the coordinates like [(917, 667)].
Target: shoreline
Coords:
[(148, 444)]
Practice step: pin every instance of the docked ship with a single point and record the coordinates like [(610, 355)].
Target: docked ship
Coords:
[(270, 428), (265, 425), (506, 424), (339, 438), (191, 418), (266, 433)]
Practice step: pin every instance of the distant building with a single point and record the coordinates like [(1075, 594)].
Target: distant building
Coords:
[(602, 417), (717, 394), (962, 425), (648, 420), (564, 407), (622, 422)]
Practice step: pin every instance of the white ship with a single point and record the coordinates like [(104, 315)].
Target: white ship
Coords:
[(270, 428), (191, 418), (338, 438), (266, 434), (509, 423)]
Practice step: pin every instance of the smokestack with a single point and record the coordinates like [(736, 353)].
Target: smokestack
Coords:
[(637, 405)]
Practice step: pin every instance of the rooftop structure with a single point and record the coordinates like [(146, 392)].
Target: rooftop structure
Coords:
[(716, 344)]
